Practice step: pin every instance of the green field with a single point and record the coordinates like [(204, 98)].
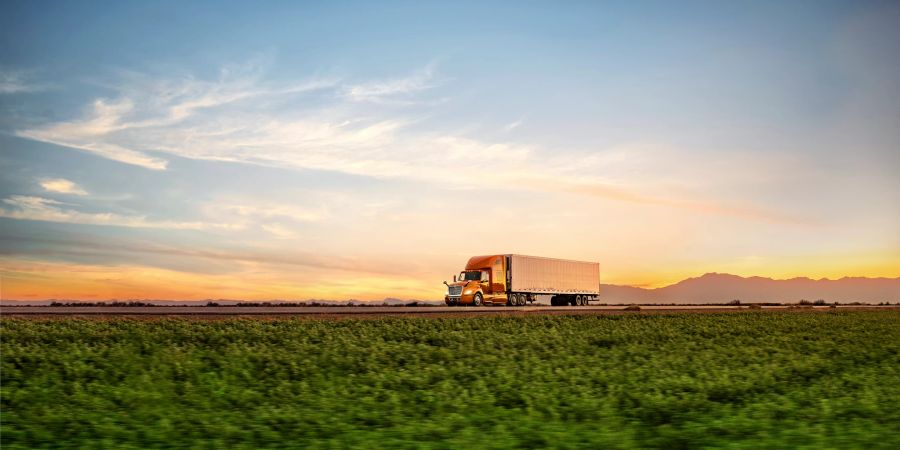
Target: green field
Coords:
[(740, 380)]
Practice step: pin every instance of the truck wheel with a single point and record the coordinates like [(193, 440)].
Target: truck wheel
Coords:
[(477, 300), (522, 299), (511, 301)]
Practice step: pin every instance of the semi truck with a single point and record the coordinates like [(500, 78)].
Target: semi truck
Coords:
[(515, 280)]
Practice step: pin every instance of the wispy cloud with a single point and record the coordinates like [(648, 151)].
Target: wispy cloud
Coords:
[(392, 89), (276, 211), (19, 81), (241, 118), (217, 121), (278, 230), (96, 134), (116, 251), (513, 125), (24, 207), (614, 193), (117, 129), (62, 186)]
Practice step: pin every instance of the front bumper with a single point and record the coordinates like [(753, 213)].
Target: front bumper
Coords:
[(464, 299)]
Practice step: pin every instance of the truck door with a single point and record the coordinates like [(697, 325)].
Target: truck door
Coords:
[(498, 277)]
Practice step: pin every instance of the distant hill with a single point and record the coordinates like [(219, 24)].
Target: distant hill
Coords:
[(723, 288)]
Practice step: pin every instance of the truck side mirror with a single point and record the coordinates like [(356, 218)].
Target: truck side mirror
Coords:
[(454, 278)]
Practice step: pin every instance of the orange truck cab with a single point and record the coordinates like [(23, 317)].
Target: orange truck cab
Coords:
[(514, 280), (482, 282)]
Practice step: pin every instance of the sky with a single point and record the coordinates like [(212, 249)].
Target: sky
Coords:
[(365, 150)]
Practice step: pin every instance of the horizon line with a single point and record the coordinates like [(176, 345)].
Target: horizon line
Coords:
[(424, 300)]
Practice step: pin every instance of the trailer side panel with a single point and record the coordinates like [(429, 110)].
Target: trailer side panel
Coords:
[(532, 274)]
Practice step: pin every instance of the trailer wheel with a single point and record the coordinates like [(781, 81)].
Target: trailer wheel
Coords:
[(478, 299), (520, 300)]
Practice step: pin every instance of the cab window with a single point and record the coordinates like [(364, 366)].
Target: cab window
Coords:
[(470, 275)]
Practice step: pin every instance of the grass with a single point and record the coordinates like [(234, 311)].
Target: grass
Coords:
[(741, 380)]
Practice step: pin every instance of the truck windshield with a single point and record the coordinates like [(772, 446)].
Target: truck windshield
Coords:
[(470, 275)]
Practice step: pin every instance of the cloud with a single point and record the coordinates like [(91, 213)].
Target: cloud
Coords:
[(24, 207), (95, 133), (269, 217), (278, 230), (270, 211), (744, 211), (117, 129), (62, 186), (382, 90), (513, 125), (195, 257), (319, 124), (18, 81), (241, 119)]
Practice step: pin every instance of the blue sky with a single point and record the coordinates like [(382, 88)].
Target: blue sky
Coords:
[(365, 150)]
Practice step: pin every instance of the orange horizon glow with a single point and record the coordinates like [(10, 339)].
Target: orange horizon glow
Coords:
[(44, 281)]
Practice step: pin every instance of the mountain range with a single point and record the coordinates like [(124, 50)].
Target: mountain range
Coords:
[(724, 288)]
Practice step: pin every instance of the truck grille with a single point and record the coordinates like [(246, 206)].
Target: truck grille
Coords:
[(455, 290)]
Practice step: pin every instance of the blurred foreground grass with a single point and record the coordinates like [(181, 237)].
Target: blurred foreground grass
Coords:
[(742, 380)]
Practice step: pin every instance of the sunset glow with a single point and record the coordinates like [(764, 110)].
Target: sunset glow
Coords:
[(343, 160)]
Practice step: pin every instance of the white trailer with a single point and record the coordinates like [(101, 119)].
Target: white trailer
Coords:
[(568, 282)]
